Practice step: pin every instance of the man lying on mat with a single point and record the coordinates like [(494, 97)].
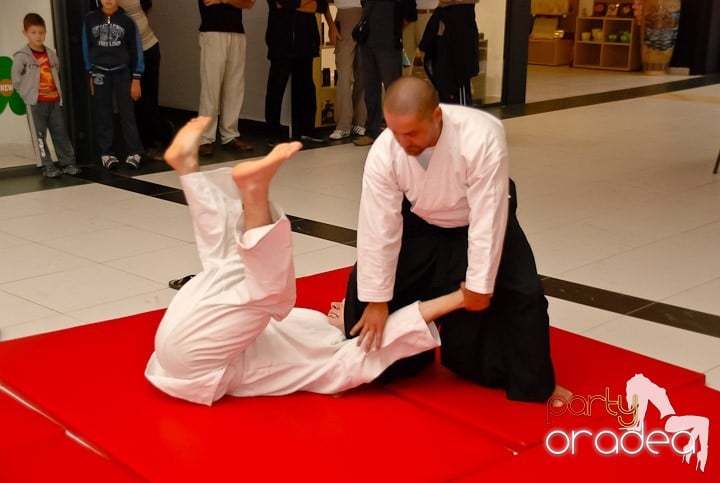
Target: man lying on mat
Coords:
[(233, 329)]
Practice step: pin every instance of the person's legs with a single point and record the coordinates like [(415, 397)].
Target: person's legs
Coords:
[(102, 104), (410, 45), (233, 86), (389, 62), (373, 91), (278, 77), (38, 115), (60, 137), (147, 115), (212, 71), (304, 105), (126, 109), (247, 278), (346, 20), (358, 90)]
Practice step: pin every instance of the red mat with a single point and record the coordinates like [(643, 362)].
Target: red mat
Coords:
[(434, 427), (584, 366), (32, 448)]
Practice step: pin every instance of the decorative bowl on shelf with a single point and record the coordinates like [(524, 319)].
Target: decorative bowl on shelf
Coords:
[(597, 35), (613, 37)]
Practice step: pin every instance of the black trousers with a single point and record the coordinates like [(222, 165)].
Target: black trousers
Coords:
[(153, 128), (109, 86), (380, 67), (302, 90), (505, 346)]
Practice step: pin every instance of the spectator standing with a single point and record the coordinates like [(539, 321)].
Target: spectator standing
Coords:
[(381, 57), (222, 72), (293, 40), (153, 132), (350, 108), (35, 76), (113, 56)]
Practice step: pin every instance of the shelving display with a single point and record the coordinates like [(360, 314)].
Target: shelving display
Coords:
[(607, 43)]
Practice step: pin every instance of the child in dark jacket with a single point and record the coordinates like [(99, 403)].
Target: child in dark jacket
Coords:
[(113, 55)]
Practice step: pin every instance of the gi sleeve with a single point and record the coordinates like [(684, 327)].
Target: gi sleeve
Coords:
[(487, 195), (379, 226)]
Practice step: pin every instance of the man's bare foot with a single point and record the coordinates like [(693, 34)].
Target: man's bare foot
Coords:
[(561, 395), (336, 316), (252, 176), (182, 154)]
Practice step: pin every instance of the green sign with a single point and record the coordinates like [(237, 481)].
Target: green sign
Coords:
[(7, 92)]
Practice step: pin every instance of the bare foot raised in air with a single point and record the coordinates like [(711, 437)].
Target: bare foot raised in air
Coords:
[(182, 154), (253, 177)]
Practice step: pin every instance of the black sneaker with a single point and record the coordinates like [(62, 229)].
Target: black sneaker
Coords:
[(51, 172), (71, 169)]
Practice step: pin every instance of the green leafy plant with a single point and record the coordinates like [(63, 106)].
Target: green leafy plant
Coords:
[(8, 95)]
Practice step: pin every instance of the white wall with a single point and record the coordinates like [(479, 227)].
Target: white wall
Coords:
[(14, 134)]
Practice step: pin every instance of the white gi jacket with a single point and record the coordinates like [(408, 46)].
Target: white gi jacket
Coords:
[(232, 329), (466, 183)]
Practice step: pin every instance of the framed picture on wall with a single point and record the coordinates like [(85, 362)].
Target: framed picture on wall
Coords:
[(599, 9), (612, 9), (625, 10)]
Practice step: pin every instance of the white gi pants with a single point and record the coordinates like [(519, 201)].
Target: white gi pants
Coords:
[(233, 329)]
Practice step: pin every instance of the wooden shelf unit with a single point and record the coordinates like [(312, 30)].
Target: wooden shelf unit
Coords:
[(604, 54)]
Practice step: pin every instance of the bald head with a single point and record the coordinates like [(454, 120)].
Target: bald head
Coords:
[(411, 96)]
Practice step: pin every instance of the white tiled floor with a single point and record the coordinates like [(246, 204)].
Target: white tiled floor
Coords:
[(618, 196)]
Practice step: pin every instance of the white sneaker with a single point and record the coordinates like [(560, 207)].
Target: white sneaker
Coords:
[(339, 134), (109, 161), (133, 160), (359, 130)]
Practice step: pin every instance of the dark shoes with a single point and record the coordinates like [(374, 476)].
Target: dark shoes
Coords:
[(70, 169), (178, 283), (363, 141), (237, 145), (51, 171), (205, 150)]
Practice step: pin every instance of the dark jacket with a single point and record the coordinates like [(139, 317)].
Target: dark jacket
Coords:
[(455, 55), (386, 21), (112, 43), (291, 34)]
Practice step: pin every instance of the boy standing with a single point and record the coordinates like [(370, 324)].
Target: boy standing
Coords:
[(35, 77), (113, 55)]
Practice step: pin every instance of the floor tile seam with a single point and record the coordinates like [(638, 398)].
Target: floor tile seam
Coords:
[(34, 319), (163, 283)]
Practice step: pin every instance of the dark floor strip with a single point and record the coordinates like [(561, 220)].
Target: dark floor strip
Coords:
[(27, 179), (517, 110), (639, 308)]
